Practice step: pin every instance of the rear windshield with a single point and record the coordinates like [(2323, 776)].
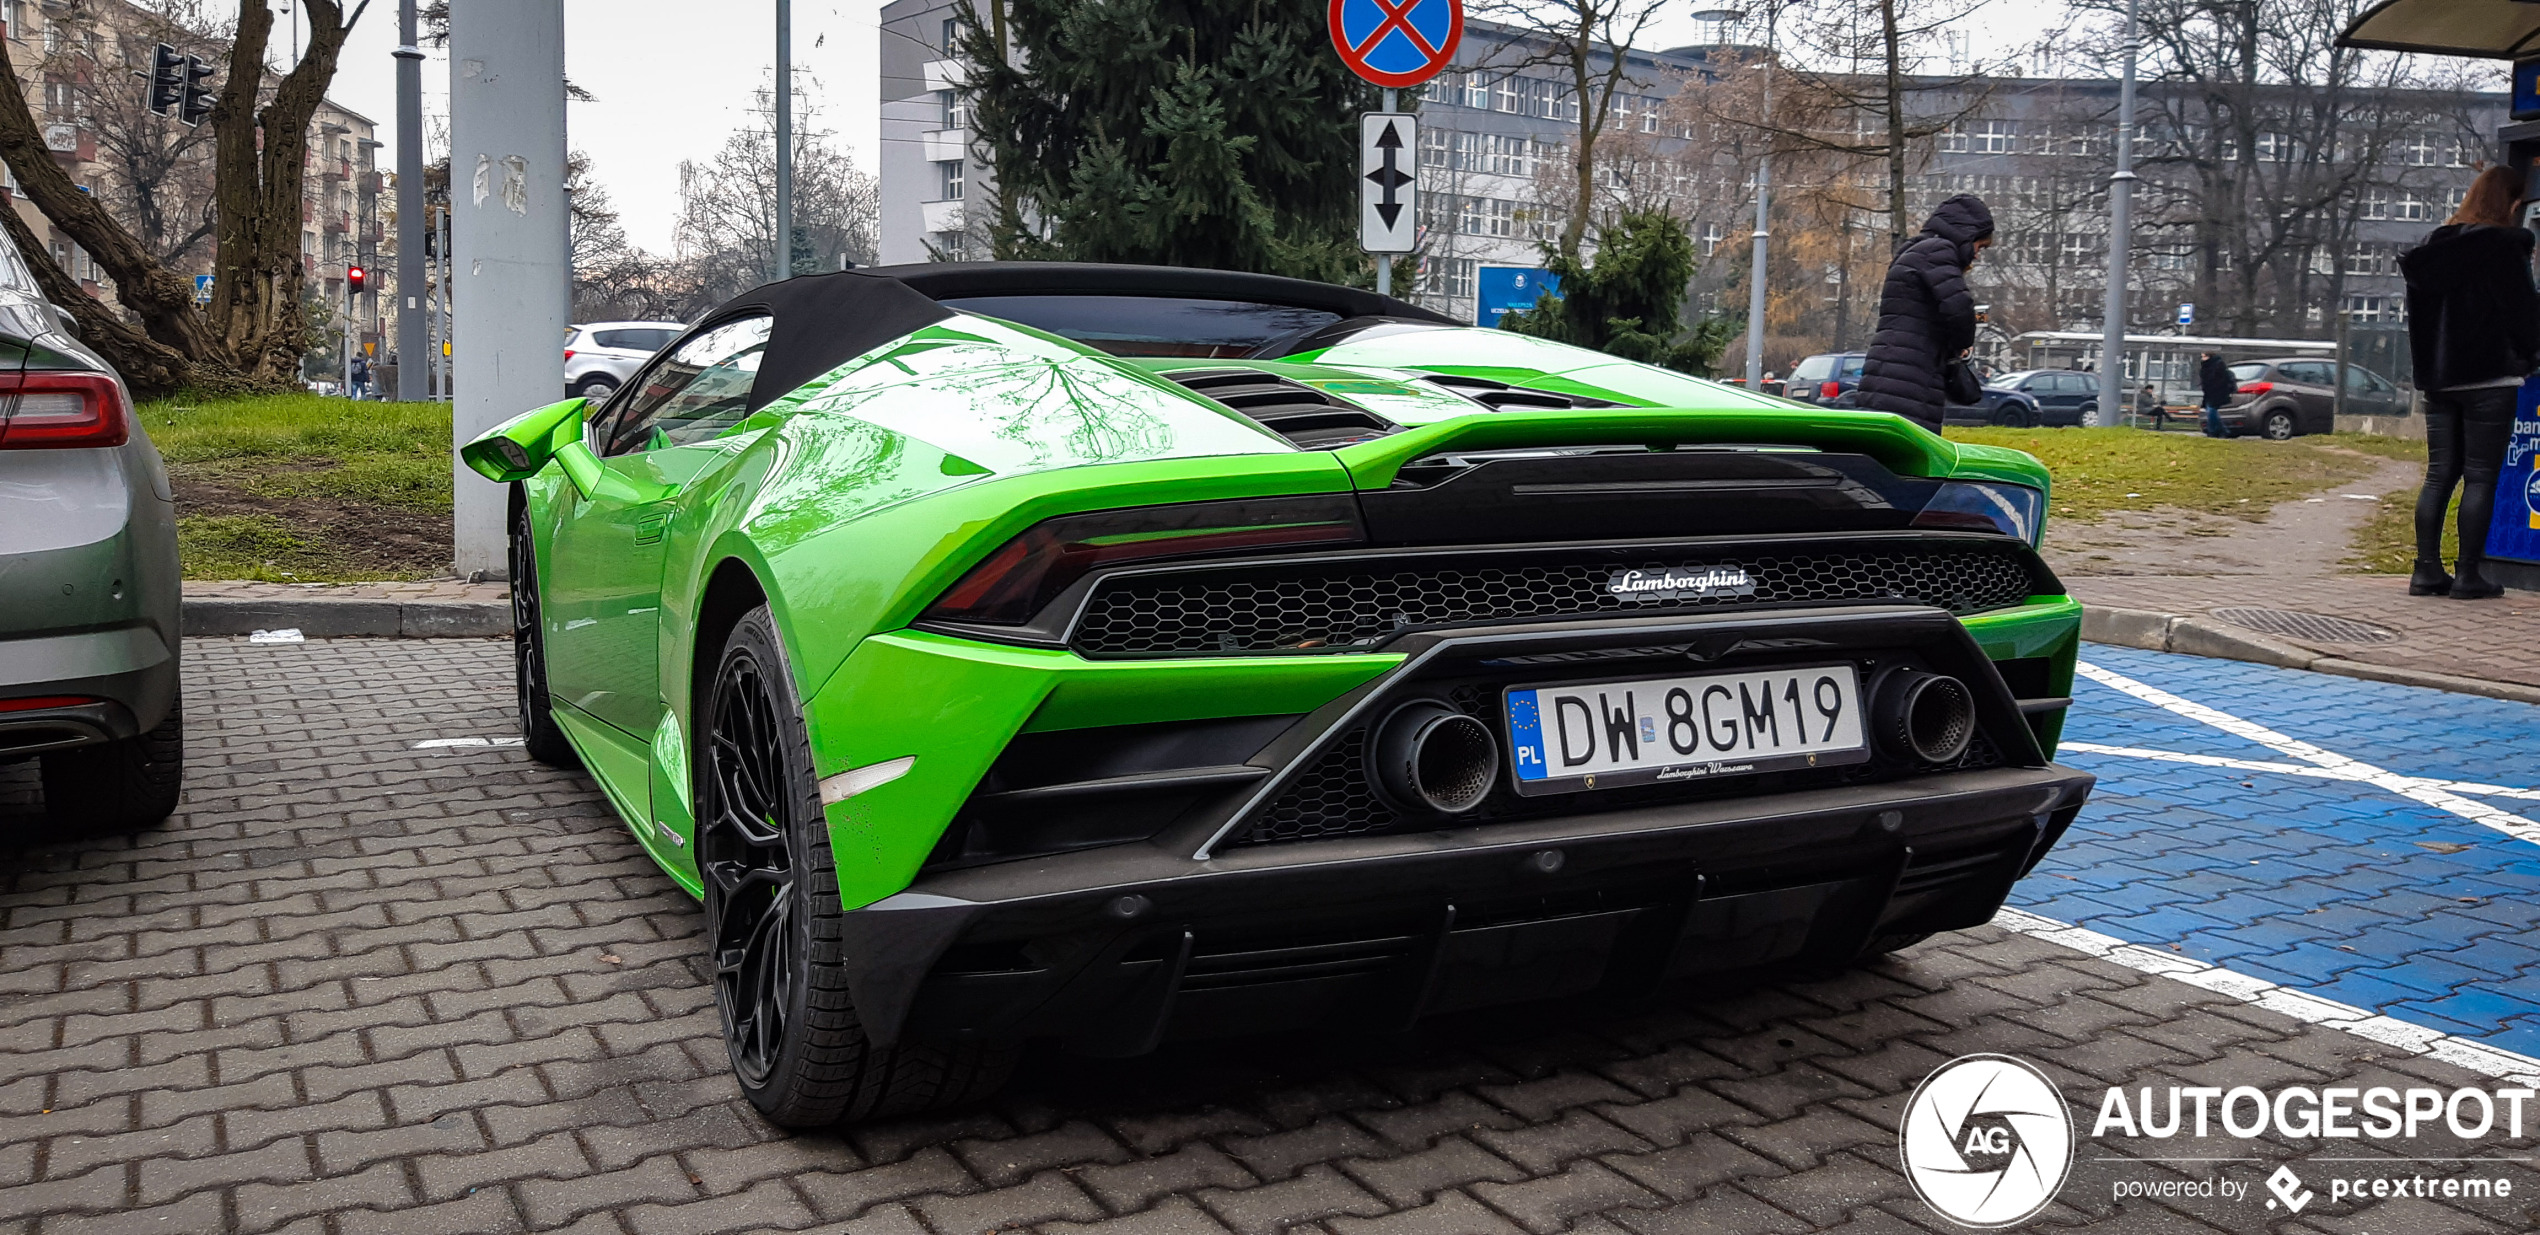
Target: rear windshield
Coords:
[(1813, 369), (2248, 372), (1152, 325), (647, 339)]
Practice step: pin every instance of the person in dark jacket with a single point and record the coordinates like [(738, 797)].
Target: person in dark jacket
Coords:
[(2474, 333), (1927, 318), (2214, 379)]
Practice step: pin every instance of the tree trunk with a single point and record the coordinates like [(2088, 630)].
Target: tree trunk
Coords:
[(255, 310), (1583, 160), (162, 300)]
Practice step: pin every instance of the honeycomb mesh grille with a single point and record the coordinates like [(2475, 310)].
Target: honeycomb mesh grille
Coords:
[(1227, 612)]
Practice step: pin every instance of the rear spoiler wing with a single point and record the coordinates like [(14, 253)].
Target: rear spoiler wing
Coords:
[(1898, 444)]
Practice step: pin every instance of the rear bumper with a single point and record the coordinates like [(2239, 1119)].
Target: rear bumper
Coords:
[(1117, 949), (129, 672)]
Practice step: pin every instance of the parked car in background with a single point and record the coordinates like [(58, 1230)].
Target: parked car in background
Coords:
[(1825, 378), (2055, 398), (2298, 394), (88, 613), (2002, 405), (599, 357)]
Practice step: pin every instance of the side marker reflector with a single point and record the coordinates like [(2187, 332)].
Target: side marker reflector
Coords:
[(871, 776)]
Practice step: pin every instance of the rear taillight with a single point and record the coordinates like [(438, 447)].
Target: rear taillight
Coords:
[(568, 353), (2256, 388), (1985, 506), (47, 408), (1830, 390), (1029, 571)]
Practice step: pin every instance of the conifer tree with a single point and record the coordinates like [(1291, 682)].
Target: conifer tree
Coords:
[(1211, 133)]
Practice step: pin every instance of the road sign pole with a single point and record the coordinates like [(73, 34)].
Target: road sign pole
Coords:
[(1384, 261)]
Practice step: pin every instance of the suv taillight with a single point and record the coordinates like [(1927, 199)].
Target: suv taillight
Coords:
[(51, 409), (1831, 390), (2256, 388)]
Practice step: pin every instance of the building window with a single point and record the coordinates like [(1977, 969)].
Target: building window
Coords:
[(2412, 208), (1507, 98), (952, 247), (1712, 235), (1477, 91), (1995, 136), (2423, 150), (951, 110), (2377, 204), (1451, 277), (952, 34), (1953, 140), (948, 180)]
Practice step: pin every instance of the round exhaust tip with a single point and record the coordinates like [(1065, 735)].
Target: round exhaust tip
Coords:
[(1930, 716), (1431, 757)]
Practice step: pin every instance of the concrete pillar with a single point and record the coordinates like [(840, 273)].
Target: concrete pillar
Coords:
[(512, 274)]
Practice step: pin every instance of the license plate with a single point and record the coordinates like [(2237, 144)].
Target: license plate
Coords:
[(1603, 735)]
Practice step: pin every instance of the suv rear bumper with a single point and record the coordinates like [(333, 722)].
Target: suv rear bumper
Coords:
[(1115, 949), (128, 673)]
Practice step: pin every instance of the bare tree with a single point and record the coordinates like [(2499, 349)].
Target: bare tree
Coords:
[(252, 333), (727, 210), (1588, 42)]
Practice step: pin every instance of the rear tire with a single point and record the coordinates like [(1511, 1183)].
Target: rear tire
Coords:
[(596, 389), (2011, 417), (540, 737), (773, 916), (2278, 426), (118, 786)]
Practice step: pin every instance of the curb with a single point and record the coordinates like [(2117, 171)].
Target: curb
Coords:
[(2195, 636), (336, 619)]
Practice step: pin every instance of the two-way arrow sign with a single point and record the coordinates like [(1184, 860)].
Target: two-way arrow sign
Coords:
[(1389, 194)]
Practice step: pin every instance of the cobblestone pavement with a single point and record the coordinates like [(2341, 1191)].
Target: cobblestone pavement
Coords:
[(2498, 640), (357, 986)]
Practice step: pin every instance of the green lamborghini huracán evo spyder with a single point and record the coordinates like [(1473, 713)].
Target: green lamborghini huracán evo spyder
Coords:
[(1108, 654)]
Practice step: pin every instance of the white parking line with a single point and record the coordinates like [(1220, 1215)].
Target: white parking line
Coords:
[(2292, 769), (2410, 787), (2300, 1005)]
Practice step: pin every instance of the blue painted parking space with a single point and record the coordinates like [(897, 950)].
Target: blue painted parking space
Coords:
[(2355, 840)]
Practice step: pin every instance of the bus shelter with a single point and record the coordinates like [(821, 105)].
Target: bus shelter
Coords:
[(2488, 30)]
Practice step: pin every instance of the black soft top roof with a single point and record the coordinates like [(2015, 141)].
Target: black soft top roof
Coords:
[(824, 320)]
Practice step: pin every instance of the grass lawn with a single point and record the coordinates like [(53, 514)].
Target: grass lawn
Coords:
[(299, 488), (2098, 471)]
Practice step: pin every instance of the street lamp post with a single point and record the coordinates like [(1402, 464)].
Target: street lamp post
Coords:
[(2120, 241), (1755, 299), (784, 139), (413, 312)]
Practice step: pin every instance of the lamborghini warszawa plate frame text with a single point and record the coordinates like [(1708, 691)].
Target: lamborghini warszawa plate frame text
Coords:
[(1107, 654)]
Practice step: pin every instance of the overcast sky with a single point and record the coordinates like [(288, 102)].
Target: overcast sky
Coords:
[(673, 78)]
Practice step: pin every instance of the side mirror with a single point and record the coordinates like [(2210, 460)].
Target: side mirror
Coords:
[(522, 446)]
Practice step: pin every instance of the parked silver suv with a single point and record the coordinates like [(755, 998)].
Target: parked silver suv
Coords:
[(88, 576), (600, 356)]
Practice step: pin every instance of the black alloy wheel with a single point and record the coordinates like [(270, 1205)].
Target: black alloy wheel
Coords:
[(773, 916), (2278, 426), (540, 737)]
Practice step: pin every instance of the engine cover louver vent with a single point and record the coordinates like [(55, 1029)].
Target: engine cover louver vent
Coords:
[(1293, 410), (1500, 396)]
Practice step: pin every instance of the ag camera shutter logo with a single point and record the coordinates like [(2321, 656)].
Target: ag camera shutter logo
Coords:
[(1986, 1141)]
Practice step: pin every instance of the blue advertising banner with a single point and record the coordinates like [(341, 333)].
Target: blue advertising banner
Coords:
[(2514, 531), (1502, 288)]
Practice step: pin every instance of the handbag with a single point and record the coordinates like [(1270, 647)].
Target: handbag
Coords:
[(1958, 381)]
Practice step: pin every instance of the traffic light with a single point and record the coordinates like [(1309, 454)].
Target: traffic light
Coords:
[(354, 277), (196, 106), (167, 80)]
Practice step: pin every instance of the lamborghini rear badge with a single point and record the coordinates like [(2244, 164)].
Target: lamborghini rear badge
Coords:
[(1672, 584)]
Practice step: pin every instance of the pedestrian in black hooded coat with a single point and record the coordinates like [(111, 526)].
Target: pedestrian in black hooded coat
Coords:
[(1927, 318), (2474, 335)]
